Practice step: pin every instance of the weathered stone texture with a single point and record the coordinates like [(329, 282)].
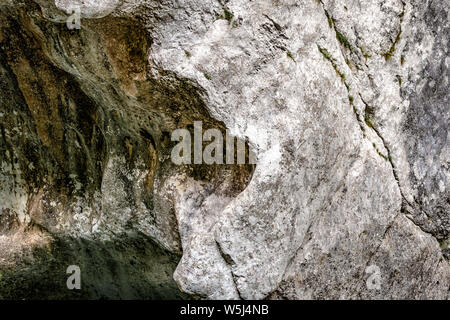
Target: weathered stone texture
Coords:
[(345, 104)]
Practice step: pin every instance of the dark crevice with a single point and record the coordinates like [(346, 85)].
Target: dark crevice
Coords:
[(406, 206), (390, 52), (229, 262)]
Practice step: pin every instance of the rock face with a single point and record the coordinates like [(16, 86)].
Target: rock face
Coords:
[(344, 103)]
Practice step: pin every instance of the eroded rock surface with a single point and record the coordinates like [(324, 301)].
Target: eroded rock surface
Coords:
[(345, 104)]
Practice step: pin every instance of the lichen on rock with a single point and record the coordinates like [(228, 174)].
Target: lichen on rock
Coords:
[(345, 106)]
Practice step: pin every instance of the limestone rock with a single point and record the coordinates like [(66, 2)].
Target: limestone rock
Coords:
[(345, 105)]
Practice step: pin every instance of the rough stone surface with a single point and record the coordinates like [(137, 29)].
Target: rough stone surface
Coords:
[(345, 104)]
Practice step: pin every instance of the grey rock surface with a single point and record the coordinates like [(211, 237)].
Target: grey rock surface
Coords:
[(345, 104)]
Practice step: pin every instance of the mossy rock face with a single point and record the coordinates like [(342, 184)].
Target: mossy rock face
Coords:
[(129, 267), (351, 149)]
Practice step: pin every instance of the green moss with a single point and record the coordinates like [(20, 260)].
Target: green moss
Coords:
[(351, 99), (379, 152), (207, 76), (325, 53), (388, 54), (227, 15), (357, 116), (402, 14), (365, 53), (329, 18), (289, 55), (346, 85), (327, 56), (368, 121), (343, 40), (187, 53), (341, 75)]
